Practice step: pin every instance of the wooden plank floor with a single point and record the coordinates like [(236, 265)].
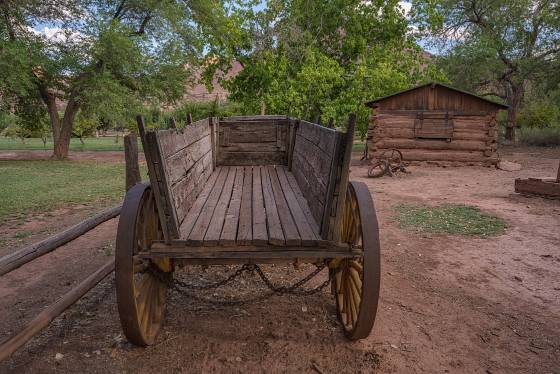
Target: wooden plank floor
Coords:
[(250, 205)]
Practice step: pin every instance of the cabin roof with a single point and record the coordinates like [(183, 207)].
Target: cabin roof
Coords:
[(435, 84)]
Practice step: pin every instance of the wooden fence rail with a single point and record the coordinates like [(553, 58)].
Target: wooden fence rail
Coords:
[(29, 253), (9, 346)]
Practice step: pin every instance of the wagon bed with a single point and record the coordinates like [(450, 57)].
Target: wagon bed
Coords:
[(246, 190)]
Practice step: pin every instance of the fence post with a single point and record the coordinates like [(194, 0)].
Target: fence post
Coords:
[(131, 160)]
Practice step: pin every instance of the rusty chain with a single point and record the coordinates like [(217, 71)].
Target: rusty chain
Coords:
[(294, 289)]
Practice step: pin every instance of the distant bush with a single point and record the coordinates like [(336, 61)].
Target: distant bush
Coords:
[(539, 114), (200, 110), (541, 137)]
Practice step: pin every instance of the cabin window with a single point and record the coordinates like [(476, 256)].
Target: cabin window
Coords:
[(433, 125)]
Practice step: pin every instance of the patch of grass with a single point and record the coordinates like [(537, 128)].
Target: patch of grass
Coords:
[(358, 146), (540, 137), (450, 219), (91, 144), (39, 186), (22, 234)]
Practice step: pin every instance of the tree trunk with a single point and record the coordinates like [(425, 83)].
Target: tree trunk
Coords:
[(514, 101), (50, 102), (62, 146)]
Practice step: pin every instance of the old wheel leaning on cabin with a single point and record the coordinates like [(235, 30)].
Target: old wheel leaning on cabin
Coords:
[(356, 280), (141, 293), (378, 169)]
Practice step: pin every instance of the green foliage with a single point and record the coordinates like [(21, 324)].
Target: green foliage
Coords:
[(540, 137), (84, 125), (201, 110), (35, 186), (110, 57), (327, 58), (540, 114), (495, 47), (450, 219)]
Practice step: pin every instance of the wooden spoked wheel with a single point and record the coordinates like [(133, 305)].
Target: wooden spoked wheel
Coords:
[(356, 280), (140, 294), (378, 169)]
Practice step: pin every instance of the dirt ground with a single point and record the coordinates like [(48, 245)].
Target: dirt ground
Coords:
[(448, 304)]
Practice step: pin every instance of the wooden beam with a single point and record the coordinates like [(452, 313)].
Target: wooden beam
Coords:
[(344, 176), (9, 346), (29, 253), (252, 255), (132, 168)]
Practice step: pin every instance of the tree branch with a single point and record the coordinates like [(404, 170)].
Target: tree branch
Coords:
[(120, 11), (145, 21)]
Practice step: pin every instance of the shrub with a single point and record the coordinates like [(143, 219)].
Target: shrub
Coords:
[(539, 114), (541, 137)]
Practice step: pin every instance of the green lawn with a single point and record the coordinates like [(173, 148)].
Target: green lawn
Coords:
[(39, 186), (450, 219), (91, 144)]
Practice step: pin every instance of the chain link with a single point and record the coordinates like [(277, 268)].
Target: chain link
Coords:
[(294, 289)]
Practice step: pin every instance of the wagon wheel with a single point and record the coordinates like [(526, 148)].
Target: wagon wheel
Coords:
[(140, 294), (393, 156), (356, 280), (378, 169)]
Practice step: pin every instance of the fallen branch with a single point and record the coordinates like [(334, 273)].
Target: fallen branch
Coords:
[(29, 253), (8, 347)]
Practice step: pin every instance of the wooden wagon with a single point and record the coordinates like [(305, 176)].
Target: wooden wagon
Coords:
[(246, 190)]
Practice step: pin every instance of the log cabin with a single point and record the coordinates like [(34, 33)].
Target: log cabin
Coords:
[(435, 122)]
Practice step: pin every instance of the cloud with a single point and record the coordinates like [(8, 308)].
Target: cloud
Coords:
[(406, 6), (58, 35)]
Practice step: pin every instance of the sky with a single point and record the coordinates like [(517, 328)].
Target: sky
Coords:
[(53, 32)]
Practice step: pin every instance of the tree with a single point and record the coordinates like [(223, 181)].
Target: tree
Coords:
[(496, 48), (327, 58), (109, 57)]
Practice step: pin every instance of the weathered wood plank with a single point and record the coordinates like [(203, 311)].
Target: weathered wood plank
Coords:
[(173, 141), (245, 132), (321, 136), (546, 188), (179, 245), (249, 158), (245, 230), (180, 163), (319, 161), (275, 233), (308, 236), (196, 237), (291, 234), (253, 118), (214, 231), (186, 191), (313, 191), (229, 231), (164, 199), (302, 202), (260, 235), (334, 230), (194, 212), (251, 147)]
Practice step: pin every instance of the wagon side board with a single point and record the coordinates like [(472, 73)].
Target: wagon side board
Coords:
[(180, 162), (256, 140)]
